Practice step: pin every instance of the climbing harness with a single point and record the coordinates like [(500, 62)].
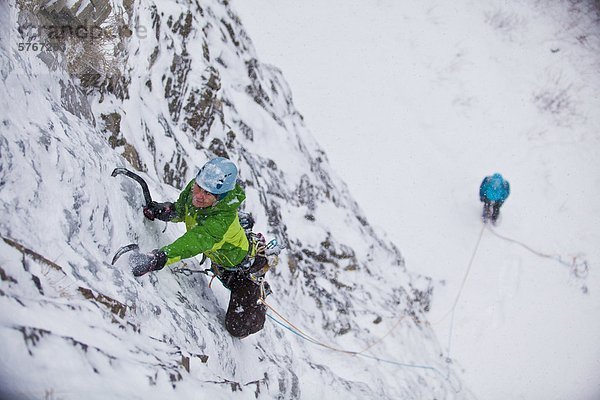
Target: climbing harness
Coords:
[(262, 256)]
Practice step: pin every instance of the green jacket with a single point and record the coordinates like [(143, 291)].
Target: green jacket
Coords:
[(214, 231)]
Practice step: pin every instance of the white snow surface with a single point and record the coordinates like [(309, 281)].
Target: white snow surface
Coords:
[(73, 326), (415, 102)]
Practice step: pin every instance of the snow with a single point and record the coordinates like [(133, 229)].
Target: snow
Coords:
[(415, 102), (73, 325), (428, 99)]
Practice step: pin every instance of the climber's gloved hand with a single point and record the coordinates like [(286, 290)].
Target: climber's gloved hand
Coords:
[(143, 263), (246, 220), (163, 211)]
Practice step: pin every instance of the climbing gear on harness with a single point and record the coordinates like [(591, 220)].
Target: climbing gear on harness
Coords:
[(189, 272), (265, 290), (269, 252), (261, 257), (259, 248)]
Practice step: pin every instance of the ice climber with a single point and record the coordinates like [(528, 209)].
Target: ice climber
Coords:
[(494, 190), (209, 207)]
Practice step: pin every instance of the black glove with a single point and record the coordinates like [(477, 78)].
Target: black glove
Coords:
[(246, 220), (143, 263), (163, 211)]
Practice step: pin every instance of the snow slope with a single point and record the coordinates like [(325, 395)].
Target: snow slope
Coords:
[(190, 87), (444, 93)]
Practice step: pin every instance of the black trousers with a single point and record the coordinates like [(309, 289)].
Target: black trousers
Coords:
[(491, 209), (245, 315)]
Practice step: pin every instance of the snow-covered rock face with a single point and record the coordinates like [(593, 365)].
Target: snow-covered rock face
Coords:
[(189, 88)]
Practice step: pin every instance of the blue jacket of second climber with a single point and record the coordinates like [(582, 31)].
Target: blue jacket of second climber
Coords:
[(494, 188)]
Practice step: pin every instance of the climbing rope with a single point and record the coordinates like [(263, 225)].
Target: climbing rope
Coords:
[(464, 280), (285, 323), (452, 310), (305, 335), (579, 268)]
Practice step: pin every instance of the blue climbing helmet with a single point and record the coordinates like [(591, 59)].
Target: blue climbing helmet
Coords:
[(217, 176)]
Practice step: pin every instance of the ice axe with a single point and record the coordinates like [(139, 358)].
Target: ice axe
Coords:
[(123, 250), (138, 179), (148, 207)]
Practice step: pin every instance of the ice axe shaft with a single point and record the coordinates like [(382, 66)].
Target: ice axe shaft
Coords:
[(124, 250), (138, 179)]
